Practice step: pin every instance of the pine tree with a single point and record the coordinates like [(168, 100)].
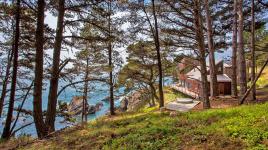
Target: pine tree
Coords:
[(141, 71), (159, 61), (201, 48), (253, 58), (53, 89), (41, 128), (212, 67), (242, 76), (234, 51), (6, 132)]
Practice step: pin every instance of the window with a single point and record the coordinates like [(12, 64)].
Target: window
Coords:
[(188, 85)]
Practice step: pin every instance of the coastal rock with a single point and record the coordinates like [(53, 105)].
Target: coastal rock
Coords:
[(134, 101), (123, 105), (76, 106), (91, 109), (98, 106), (106, 99)]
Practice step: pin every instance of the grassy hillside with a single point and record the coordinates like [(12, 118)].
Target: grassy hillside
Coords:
[(263, 80), (170, 95), (243, 127)]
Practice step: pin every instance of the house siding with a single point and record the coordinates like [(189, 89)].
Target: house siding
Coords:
[(195, 86)]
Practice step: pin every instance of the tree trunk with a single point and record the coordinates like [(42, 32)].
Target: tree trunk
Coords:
[(213, 72), (254, 82), (151, 84), (112, 111), (253, 58), (19, 109), (152, 93), (7, 73), (159, 62), (38, 81), (153, 101), (53, 89), (201, 47), (85, 103), (242, 75), (5, 81), (234, 52), (6, 131)]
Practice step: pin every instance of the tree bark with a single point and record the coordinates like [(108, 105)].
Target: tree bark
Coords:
[(234, 52), (151, 84), (6, 132), (7, 73), (242, 75), (253, 58), (38, 81), (159, 62), (52, 97), (153, 93), (112, 110), (198, 25), (211, 49), (85, 103), (5, 81)]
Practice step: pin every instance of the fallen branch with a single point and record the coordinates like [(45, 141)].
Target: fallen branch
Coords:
[(251, 87)]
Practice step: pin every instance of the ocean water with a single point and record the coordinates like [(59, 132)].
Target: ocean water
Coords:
[(98, 92)]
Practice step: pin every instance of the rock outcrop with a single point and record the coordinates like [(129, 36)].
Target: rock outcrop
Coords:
[(98, 106), (76, 106), (134, 101)]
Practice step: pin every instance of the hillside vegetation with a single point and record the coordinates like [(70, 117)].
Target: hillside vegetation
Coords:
[(242, 127), (263, 80)]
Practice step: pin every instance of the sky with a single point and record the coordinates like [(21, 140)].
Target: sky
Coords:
[(52, 23)]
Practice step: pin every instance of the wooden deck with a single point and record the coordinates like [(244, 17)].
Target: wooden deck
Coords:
[(182, 107), (184, 91)]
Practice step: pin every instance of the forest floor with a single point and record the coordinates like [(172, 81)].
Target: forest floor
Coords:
[(228, 101), (225, 126), (241, 127)]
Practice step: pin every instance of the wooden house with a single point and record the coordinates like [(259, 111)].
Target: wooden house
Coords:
[(190, 77)]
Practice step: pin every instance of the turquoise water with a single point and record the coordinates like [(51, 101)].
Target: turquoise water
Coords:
[(99, 92)]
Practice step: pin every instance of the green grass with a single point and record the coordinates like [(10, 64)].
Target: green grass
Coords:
[(169, 95), (263, 80), (244, 127)]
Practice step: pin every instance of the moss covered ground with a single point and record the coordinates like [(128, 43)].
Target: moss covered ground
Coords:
[(244, 127)]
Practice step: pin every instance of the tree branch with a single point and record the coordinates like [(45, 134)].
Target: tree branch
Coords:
[(254, 83)]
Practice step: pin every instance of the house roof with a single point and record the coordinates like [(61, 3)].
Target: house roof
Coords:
[(218, 61), (227, 65), (222, 78), (195, 74)]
